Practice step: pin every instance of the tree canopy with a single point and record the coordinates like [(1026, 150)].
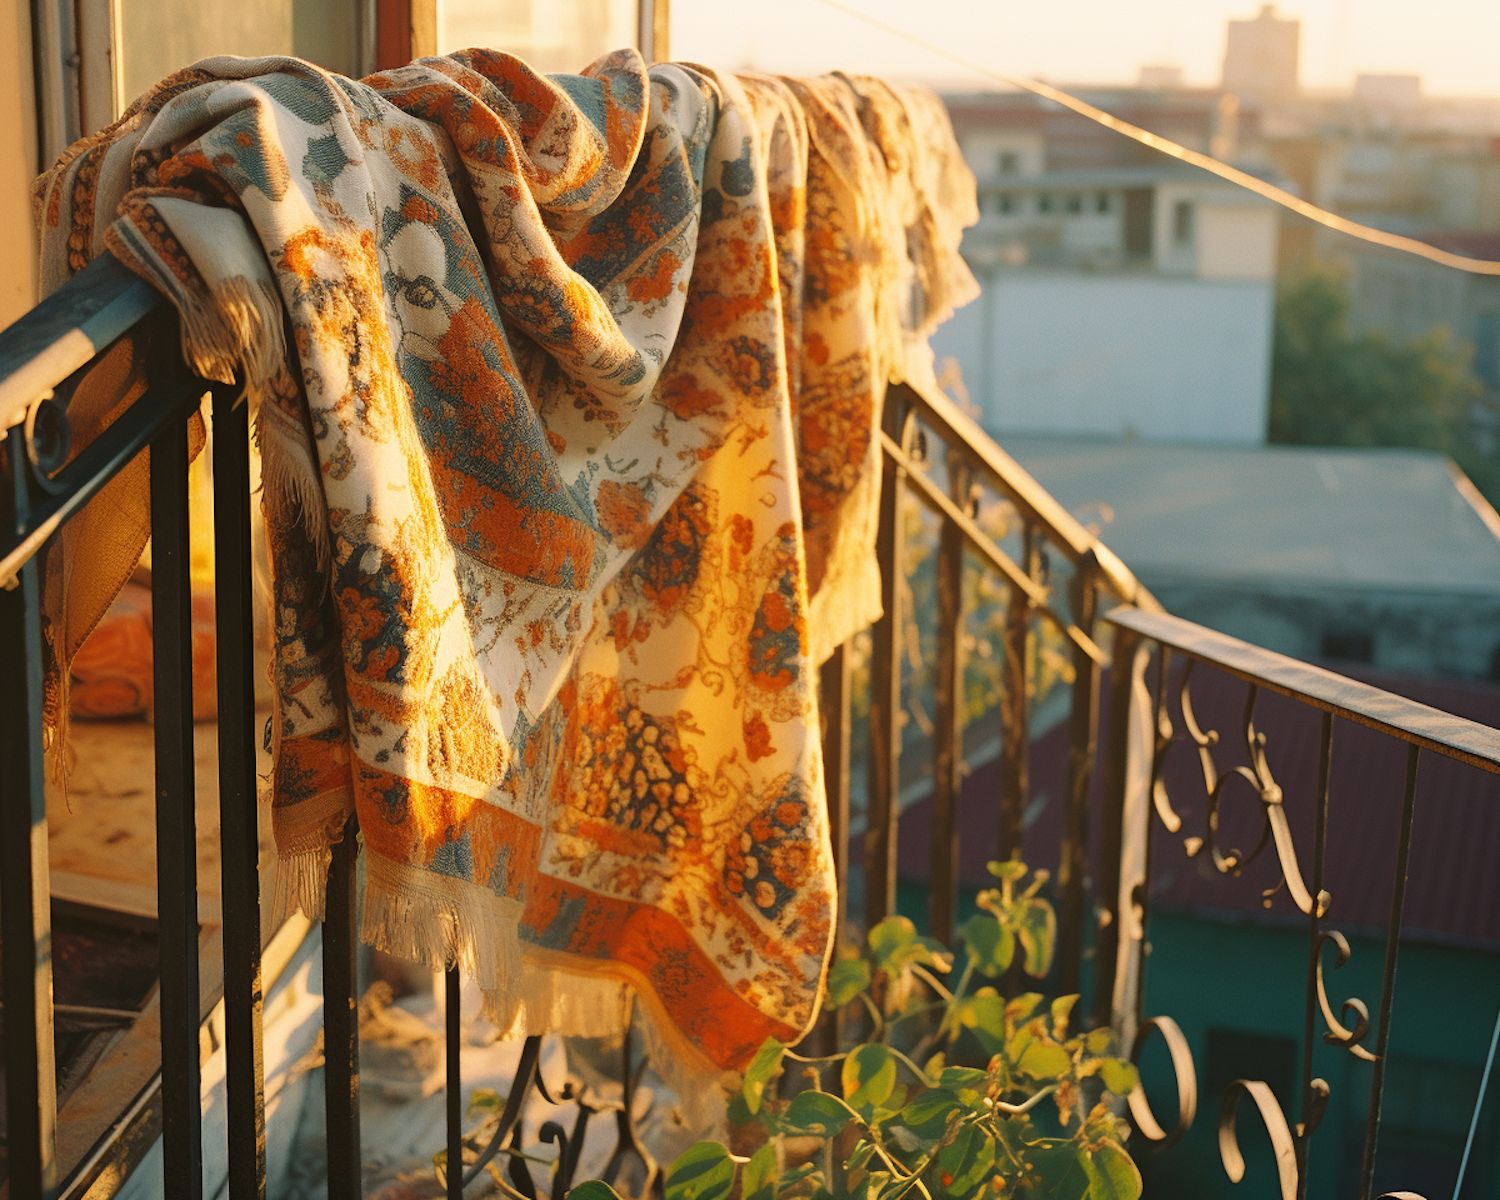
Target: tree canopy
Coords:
[(1333, 387)]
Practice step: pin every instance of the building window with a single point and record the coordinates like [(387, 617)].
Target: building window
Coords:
[(1182, 222), (1349, 645), (1009, 202), (1045, 202), (1101, 202), (1138, 222), (1074, 203), (1009, 162)]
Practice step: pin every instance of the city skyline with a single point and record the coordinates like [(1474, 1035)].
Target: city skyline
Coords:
[(1449, 43)]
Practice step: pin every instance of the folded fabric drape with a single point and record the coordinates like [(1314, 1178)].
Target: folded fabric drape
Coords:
[(566, 395)]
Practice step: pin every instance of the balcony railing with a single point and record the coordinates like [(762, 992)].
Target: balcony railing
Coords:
[(1061, 584)]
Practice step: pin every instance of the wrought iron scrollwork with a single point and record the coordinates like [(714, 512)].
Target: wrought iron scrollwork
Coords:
[(1187, 1083), (1337, 1034), (507, 1133), (1257, 774), (1282, 1144)]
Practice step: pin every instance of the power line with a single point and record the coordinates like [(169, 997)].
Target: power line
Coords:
[(1378, 237)]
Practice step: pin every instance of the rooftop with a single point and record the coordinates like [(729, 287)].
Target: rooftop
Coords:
[(1399, 520)]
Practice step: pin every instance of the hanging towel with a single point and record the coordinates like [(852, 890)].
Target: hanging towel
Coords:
[(566, 391)]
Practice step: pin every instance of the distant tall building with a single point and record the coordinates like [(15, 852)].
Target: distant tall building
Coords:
[(1260, 59)]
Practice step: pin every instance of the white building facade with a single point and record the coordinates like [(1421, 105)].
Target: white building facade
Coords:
[(1117, 302)]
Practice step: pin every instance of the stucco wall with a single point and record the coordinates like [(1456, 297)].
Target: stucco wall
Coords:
[(1180, 360)]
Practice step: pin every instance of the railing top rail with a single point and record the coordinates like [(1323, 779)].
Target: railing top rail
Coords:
[(1036, 504), (66, 330), (1430, 728)]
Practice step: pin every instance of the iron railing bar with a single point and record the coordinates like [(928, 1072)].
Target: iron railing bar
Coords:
[(453, 1079), (1112, 831), (176, 828), (95, 466), (883, 809), (835, 706), (341, 1021), (238, 810), (1036, 593), (25, 911), (1311, 1115), (1388, 979), (67, 330), (1035, 503), (1015, 725), (1411, 722), (1083, 718), (948, 717), (1160, 732)]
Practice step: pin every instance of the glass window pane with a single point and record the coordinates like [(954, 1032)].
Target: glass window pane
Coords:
[(551, 35)]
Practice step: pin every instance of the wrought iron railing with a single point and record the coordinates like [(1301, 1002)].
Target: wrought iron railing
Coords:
[(1061, 582)]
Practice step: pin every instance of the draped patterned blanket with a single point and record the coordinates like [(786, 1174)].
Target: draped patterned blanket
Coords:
[(566, 391)]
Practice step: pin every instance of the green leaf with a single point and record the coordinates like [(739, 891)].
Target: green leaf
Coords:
[(1061, 1171), (1062, 1011), (816, 1114), (985, 1009), (961, 1078), (990, 945), (758, 1182), (868, 1076), (1099, 1041), (485, 1100), (870, 1187), (1119, 1076), (593, 1189), (927, 1115), (846, 979), (1044, 1059), (762, 1069), (1037, 932), (703, 1171), (1112, 1175), (890, 938), (964, 1163), (1022, 1006)]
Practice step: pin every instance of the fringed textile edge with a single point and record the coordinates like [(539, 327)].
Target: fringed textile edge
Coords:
[(439, 920)]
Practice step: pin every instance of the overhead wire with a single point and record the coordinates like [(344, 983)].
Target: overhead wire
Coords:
[(1303, 208)]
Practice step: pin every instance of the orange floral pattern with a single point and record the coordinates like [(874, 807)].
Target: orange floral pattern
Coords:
[(572, 437)]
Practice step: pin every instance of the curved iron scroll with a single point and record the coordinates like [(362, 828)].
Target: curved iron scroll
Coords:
[(1257, 775), (1337, 1034), (1275, 1121), (507, 1132), (1187, 1083)]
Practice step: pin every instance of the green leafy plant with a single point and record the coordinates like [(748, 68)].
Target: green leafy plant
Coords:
[(956, 1092)]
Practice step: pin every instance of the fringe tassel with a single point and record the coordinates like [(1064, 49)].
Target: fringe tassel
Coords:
[(439, 920)]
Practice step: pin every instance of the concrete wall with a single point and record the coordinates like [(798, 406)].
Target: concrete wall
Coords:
[(1182, 360)]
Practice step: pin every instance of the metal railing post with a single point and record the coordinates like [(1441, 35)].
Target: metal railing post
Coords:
[(1072, 867), (25, 902), (1111, 833), (947, 754), (1015, 734), (238, 810), (176, 828), (883, 812)]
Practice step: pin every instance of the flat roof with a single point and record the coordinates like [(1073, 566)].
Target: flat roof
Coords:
[(1371, 519)]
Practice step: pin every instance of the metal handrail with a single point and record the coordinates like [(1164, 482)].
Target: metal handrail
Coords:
[(67, 330), (1430, 728)]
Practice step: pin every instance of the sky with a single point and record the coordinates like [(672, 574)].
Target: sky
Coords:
[(1453, 44)]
